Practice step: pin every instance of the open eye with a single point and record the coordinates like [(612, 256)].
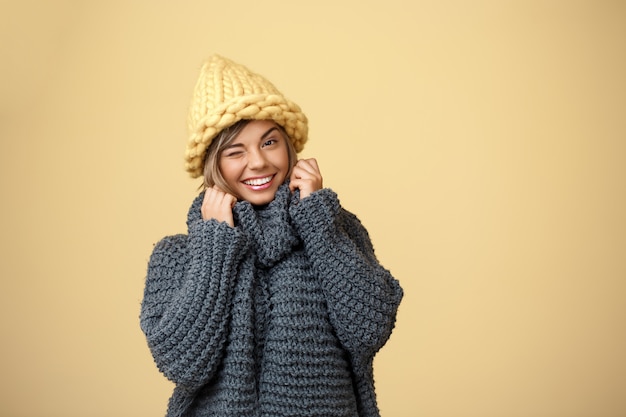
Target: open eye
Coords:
[(269, 142)]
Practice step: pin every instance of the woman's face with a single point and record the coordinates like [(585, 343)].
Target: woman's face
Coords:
[(256, 163)]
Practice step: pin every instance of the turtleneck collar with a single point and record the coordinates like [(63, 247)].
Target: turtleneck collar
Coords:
[(268, 227)]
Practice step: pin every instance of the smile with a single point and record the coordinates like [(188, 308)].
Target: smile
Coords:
[(256, 182)]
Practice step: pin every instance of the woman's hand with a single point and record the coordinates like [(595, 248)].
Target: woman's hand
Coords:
[(218, 205), (306, 177)]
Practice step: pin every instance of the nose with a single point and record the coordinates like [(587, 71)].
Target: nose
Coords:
[(256, 160)]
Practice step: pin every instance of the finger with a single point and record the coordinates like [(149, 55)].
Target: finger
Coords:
[(312, 163), (306, 166), (303, 171), (213, 196), (312, 168), (217, 188), (293, 181), (218, 205), (215, 193), (230, 199), (209, 195), (300, 173), (224, 197)]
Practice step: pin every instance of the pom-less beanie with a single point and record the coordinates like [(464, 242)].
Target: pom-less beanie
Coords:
[(227, 92)]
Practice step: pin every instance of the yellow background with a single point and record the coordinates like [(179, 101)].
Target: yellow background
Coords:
[(483, 144)]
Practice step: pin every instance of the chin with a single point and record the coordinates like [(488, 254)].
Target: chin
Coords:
[(260, 200)]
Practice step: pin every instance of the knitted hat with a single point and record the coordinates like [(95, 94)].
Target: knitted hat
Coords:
[(227, 92)]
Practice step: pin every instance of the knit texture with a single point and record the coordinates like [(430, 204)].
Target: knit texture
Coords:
[(279, 316), (227, 92)]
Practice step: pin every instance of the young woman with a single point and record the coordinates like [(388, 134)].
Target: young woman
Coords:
[(273, 303)]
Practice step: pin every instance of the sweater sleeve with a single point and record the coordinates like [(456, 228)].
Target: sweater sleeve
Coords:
[(362, 296), (187, 300)]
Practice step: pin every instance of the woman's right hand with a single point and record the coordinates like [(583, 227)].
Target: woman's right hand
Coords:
[(218, 205)]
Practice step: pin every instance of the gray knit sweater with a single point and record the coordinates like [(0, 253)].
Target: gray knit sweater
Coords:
[(279, 316)]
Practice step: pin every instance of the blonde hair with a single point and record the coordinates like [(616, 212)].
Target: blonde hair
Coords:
[(213, 175)]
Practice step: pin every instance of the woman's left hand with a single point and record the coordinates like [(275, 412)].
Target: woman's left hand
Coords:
[(306, 177)]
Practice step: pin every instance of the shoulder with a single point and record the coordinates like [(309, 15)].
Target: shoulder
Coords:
[(172, 242), (168, 248)]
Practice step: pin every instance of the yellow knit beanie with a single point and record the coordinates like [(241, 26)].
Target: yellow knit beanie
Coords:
[(227, 92)]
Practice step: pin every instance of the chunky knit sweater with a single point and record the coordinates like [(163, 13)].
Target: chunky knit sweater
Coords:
[(279, 316)]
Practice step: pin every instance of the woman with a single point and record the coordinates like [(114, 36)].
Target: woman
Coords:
[(273, 303)]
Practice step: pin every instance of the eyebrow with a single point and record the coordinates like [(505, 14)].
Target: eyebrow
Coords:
[(263, 136), (266, 134)]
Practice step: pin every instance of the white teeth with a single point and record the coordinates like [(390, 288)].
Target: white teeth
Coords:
[(258, 181)]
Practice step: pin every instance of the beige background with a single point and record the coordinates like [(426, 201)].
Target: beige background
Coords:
[(483, 144)]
